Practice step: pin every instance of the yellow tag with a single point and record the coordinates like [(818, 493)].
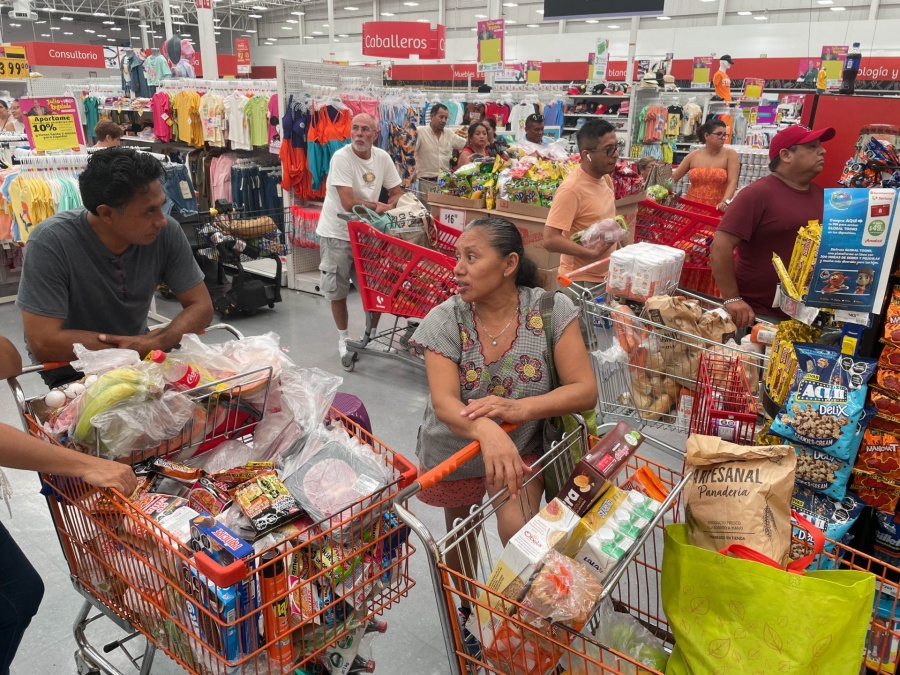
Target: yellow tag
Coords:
[(848, 345)]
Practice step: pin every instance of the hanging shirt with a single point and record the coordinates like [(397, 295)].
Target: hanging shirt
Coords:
[(517, 118), (155, 69), (186, 105), (273, 118), (212, 118), (499, 112), (553, 114), (673, 121), (91, 114), (238, 124), (691, 120), (257, 112)]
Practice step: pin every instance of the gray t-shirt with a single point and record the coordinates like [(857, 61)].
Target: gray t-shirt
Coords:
[(68, 273)]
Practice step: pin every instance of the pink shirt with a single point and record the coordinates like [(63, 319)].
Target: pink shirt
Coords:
[(162, 111), (220, 177), (273, 114)]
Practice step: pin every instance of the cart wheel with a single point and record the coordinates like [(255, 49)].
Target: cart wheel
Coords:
[(348, 362), (85, 667), (271, 305)]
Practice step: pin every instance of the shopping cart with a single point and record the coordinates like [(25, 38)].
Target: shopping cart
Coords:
[(633, 584), (400, 278), (686, 225), (646, 371), (149, 584)]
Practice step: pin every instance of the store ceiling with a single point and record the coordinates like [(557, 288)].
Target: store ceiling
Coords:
[(293, 21)]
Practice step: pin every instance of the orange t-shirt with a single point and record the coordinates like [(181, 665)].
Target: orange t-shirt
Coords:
[(581, 201), (722, 83)]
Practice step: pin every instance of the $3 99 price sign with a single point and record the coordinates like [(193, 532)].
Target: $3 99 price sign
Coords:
[(13, 69)]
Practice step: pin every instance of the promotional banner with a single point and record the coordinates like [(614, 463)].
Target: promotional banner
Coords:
[(643, 67), (702, 72), (601, 61), (858, 242), (490, 45), (809, 71), (511, 73), (404, 39), (242, 51), (833, 61), (533, 72), (753, 88), (52, 123), (203, 4)]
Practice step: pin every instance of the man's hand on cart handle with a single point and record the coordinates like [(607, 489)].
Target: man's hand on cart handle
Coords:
[(566, 279), (741, 313)]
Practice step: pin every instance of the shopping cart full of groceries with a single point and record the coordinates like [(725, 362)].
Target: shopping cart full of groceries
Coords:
[(262, 537)]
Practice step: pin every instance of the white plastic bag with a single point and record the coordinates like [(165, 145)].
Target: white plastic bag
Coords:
[(307, 393), (98, 362), (625, 634), (136, 426), (607, 231)]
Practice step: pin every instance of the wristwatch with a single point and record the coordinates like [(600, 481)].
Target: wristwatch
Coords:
[(727, 202)]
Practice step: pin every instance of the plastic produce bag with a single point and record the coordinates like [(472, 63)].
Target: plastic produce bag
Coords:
[(275, 434), (213, 365), (226, 455), (132, 427), (307, 393), (607, 231), (255, 352), (101, 361), (625, 634)]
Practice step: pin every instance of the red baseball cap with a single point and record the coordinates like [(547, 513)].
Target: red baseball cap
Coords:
[(797, 134)]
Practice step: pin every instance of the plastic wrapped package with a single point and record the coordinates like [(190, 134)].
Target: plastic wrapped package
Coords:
[(307, 393), (606, 231), (625, 634), (101, 361), (275, 435), (563, 591), (208, 359), (330, 474), (132, 427), (255, 352), (226, 455)]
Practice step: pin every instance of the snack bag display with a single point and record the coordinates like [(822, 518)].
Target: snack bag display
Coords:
[(834, 517), (739, 494), (892, 319), (826, 400)]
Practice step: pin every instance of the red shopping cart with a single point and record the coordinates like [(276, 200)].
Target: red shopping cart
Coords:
[(143, 579), (689, 226), (401, 278)]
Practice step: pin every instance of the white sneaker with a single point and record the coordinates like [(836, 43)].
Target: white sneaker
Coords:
[(342, 347)]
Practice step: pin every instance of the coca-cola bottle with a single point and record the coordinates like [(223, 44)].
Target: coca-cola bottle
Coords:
[(179, 374)]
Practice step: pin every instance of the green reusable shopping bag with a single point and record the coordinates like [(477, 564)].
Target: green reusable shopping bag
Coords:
[(731, 616)]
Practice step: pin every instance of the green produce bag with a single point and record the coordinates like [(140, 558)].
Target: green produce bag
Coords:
[(731, 616)]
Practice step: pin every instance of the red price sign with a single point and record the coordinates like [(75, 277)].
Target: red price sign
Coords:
[(204, 4), (242, 50)]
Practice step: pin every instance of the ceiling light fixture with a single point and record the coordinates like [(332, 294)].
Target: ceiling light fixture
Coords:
[(110, 40), (255, 16), (411, 4), (745, 13), (55, 28), (826, 2), (533, 25), (352, 9), (592, 21), (287, 28), (186, 35), (510, 21), (838, 9), (109, 23), (614, 27), (86, 30), (387, 14), (45, 34), (261, 8), (250, 30), (318, 32), (761, 18), (99, 13), (663, 18), (343, 35), (143, 25), (115, 28), (423, 21), (474, 30), (481, 16), (307, 37), (68, 33), (40, 22), (539, 11), (336, 40), (292, 21), (16, 25), (132, 9), (510, 4), (101, 35), (299, 13), (66, 18)]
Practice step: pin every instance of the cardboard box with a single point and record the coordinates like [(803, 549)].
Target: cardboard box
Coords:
[(550, 282), (611, 499), (461, 202), (530, 210)]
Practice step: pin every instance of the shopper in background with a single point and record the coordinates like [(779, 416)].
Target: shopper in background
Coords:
[(764, 219), (435, 145), (21, 587), (584, 197), (497, 145), (714, 169), (16, 120), (356, 176), (107, 133), (477, 144), (89, 274), (534, 130), (4, 114), (485, 360)]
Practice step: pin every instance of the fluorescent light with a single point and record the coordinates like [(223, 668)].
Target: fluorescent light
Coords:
[(838, 9), (68, 33), (16, 25), (294, 21), (663, 18), (55, 28), (336, 40), (533, 25), (86, 30), (307, 37), (66, 18), (185, 35), (352, 9), (761, 18), (261, 8), (216, 20), (387, 14), (481, 16), (40, 22), (474, 30), (143, 25), (423, 21), (101, 35), (115, 28), (132, 9), (324, 25), (110, 40), (216, 32), (109, 23), (411, 4), (510, 21), (826, 2), (98, 13), (287, 28), (343, 35), (539, 11), (510, 4), (255, 16), (592, 21), (745, 13), (299, 13), (177, 16), (250, 30), (45, 34), (614, 27), (317, 32)]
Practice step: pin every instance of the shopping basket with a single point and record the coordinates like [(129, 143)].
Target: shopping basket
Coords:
[(131, 571), (400, 278), (637, 386), (689, 226), (632, 585)]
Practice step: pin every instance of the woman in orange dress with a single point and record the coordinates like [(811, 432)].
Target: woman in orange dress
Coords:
[(713, 169)]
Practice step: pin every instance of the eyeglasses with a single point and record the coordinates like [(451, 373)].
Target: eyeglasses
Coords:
[(609, 150), (535, 118), (720, 134)]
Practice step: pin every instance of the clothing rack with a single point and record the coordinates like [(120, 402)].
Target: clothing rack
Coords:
[(67, 161), (188, 84)]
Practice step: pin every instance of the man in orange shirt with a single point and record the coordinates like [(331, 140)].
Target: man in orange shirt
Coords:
[(584, 197)]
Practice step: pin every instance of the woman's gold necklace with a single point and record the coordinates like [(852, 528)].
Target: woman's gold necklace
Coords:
[(494, 338)]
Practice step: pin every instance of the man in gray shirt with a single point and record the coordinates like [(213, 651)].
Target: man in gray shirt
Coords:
[(89, 274)]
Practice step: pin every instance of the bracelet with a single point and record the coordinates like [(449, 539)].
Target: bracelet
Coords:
[(730, 300)]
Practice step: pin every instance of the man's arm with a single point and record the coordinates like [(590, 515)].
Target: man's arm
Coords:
[(348, 200), (10, 359), (556, 240), (194, 317), (50, 342), (721, 258)]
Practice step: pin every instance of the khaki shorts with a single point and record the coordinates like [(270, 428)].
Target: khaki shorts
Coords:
[(336, 266)]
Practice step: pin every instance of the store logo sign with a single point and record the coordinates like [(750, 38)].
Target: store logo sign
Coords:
[(403, 39)]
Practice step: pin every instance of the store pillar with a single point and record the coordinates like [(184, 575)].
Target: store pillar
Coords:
[(206, 29), (331, 27), (167, 18), (632, 45)]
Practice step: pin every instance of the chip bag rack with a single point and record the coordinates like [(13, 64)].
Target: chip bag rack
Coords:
[(150, 584)]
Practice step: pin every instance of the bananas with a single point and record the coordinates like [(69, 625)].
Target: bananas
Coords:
[(110, 389)]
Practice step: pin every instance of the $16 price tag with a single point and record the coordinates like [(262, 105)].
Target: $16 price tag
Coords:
[(453, 217)]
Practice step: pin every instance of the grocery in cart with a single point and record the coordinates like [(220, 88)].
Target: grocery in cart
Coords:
[(259, 539), (402, 271)]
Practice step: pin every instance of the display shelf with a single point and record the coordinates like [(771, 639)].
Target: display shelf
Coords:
[(603, 117), (599, 97)]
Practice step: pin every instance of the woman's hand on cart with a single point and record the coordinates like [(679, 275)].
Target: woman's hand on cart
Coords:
[(503, 464), (108, 474), (507, 410)]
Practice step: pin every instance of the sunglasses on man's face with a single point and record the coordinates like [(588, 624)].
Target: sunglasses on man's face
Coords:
[(536, 119)]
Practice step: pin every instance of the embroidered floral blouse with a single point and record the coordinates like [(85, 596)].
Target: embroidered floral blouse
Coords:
[(450, 330)]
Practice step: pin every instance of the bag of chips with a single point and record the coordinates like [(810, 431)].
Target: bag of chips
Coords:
[(834, 517), (826, 400), (892, 319)]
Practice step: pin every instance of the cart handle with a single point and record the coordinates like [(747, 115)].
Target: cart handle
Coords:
[(565, 280), (445, 468)]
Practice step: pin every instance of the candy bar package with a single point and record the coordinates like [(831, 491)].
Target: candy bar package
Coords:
[(826, 400), (267, 502)]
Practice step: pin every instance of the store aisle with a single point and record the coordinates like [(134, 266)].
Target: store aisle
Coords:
[(394, 395)]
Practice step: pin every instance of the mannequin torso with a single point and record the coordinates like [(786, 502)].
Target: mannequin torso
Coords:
[(722, 82)]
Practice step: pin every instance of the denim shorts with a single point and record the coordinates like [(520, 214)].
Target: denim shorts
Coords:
[(336, 266), (176, 184)]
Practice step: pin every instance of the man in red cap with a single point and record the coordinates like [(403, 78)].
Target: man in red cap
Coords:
[(764, 219)]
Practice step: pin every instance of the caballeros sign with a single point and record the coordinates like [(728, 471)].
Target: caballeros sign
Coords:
[(402, 39)]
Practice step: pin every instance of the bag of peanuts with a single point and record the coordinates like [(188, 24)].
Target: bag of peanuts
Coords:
[(739, 494), (826, 400)]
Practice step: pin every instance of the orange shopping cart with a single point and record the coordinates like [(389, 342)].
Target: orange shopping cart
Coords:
[(401, 278), (210, 615)]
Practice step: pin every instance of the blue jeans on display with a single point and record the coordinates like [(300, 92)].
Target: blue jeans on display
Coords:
[(246, 190), (272, 203), (21, 592), (176, 203)]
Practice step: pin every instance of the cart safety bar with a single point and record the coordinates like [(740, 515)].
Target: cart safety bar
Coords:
[(445, 468), (565, 280)]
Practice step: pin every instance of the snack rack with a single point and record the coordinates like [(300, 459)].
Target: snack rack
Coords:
[(633, 384), (132, 572), (400, 278), (633, 584)]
